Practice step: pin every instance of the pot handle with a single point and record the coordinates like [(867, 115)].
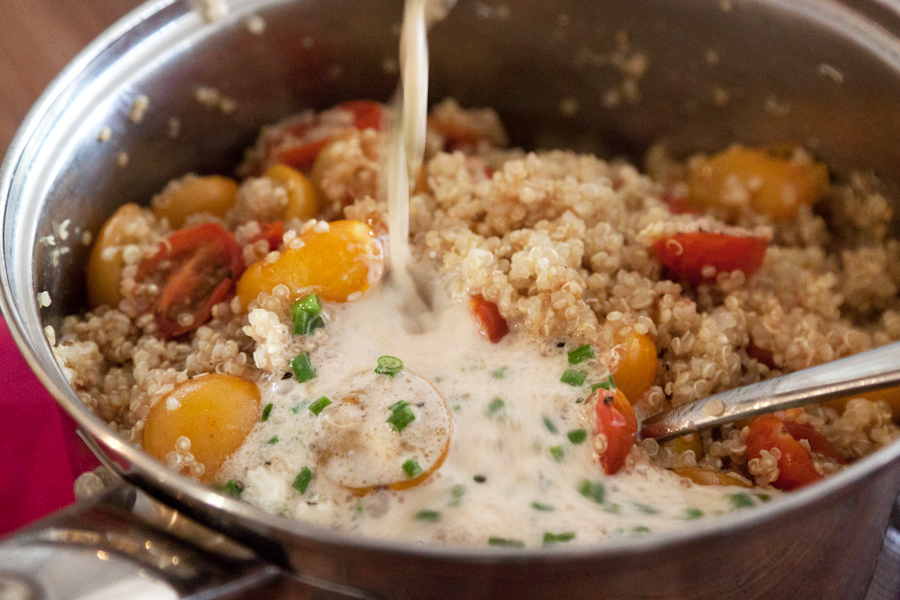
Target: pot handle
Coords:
[(123, 544)]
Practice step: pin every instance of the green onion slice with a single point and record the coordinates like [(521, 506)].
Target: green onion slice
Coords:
[(273, 440), (609, 384), (553, 538), (412, 468), (506, 543), (557, 453), (401, 415), (573, 377), (428, 515), (389, 365), (592, 490), (301, 483), (496, 405), (577, 436), (319, 405), (232, 489), (550, 426), (266, 412), (579, 355), (305, 314), (542, 507), (303, 369)]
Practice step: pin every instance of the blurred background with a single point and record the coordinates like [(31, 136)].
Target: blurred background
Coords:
[(37, 39)]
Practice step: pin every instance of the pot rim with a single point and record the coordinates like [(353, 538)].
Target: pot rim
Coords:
[(33, 344)]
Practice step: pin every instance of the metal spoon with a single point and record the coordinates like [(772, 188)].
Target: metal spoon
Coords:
[(864, 372)]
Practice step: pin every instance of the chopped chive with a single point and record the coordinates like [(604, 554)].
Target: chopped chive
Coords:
[(553, 538), (301, 482), (273, 440), (305, 314), (412, 468), (692, 513), (506, 543), (550, 426), (266, 412), (740, 500), (305, 323), (613, 509), (457, 492), (401, 415), (319, 405), (592, 490), (579, 355), (310, 303), (542, 507), (389, 365), (646, 508), (609, 384), (577, 436), (298, 407), (232, 489), (499, 373), (573, 377), (641, 529), (557, 453), (496, 405), (428, 515), (302, 368), (763, 497)]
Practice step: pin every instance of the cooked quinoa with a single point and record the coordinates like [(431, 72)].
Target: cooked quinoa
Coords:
[(563, 244)]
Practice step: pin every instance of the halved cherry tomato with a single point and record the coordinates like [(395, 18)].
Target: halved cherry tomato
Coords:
[(366, 115), (761, 354), (689, 254), (617, 422), (273, 233), (817, 442), (487, 318), (196, 269), (679, 205), (796, 464)]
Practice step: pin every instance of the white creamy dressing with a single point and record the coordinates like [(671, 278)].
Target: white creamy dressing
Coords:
[(499, 479)]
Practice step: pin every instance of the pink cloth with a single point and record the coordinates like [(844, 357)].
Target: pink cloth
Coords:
[(36, 476)]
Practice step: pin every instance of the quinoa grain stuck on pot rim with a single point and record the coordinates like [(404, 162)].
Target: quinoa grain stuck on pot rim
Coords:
[(245, 332)]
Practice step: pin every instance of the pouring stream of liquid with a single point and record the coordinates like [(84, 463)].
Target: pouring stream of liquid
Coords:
[(405, 150)]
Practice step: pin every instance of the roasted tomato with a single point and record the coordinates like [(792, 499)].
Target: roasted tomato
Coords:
[(273, 233), (615, 421), (195, 269), (795, 465), (366, 115), (697, 257), (487, 318)]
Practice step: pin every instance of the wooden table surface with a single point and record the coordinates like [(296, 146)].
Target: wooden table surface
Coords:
[(37, 39)]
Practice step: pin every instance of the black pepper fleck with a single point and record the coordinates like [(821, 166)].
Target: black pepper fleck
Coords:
[(287, 375), (480, 478), (560, 344)]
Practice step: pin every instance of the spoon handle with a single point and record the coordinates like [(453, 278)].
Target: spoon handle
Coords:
[(864, 372)]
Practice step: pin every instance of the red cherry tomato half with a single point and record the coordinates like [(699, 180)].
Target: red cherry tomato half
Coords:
[(679, 205), (689, 254), (617, 422), (817, 442), (273, 233), (195, 269), (795, 466), (487, 319), (761, 354), (366, 115)]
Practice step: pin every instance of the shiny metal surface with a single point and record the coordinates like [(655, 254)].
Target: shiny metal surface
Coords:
[(526, 58), (868, 371)]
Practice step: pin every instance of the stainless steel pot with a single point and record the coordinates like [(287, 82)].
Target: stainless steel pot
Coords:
[(824, 73)]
